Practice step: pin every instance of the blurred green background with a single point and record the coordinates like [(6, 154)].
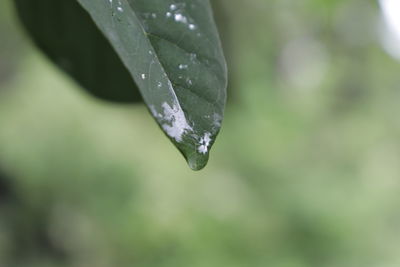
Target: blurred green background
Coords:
[(306, 171)]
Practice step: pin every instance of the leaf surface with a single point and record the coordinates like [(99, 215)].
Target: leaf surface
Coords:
[(172, 50)]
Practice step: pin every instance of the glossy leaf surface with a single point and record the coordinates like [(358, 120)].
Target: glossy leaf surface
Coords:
[(67, 35), (172, 50)]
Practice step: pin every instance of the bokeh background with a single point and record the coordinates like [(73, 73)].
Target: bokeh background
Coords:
[(306, 171)]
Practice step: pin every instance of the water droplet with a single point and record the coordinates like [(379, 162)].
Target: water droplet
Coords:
[(197, 161), (180, 18)]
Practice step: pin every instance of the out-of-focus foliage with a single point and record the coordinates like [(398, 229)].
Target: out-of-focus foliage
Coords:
[(10, 44), (305, 172)]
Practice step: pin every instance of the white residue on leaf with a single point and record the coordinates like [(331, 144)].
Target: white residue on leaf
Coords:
[(143, 76), (217, 120), (193, 57), (204, 143), (154, 112), (176, 125), (148, 15)]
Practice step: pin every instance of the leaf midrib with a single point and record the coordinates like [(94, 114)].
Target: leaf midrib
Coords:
[(155, 54)]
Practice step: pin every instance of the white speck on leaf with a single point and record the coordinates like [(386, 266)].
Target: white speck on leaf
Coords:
[(204, 143)]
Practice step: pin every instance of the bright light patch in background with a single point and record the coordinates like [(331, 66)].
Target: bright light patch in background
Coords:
[(391, 36)]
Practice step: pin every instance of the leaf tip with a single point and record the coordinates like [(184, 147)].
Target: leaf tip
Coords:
[(197, 161), (197, 150)]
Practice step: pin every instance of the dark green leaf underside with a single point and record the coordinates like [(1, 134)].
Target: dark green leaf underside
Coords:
[(68, 36)]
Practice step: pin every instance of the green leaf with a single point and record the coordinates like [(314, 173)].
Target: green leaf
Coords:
[(67, 35), (173, 52)]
